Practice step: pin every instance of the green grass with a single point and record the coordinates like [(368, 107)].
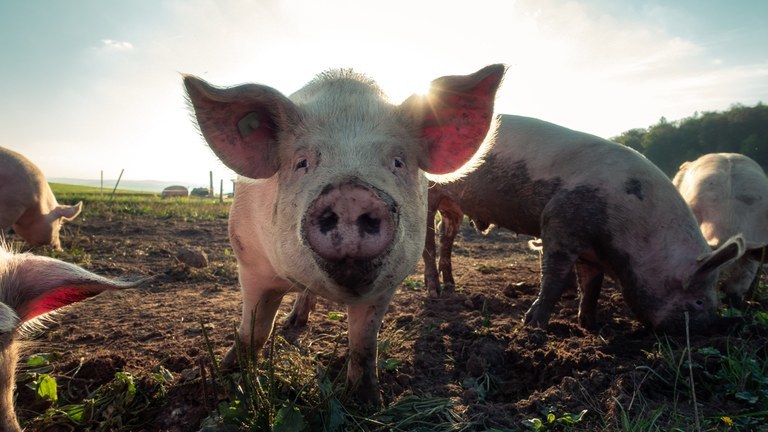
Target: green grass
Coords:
[(132, 204), (62, 189)]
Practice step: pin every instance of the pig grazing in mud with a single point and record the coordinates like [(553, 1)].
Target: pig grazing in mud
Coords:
[(596, 205), (728, 193), (332, 193), (31, 286), (27, 203)]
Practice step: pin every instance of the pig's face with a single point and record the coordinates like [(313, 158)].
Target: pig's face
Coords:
[(736, 279), (695, 294), (699, 301), (40, 232), (348, 167), (43, 229), (349, 181)]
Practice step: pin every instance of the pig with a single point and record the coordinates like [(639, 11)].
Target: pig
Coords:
[(331, 193), (27, 203), (30, 287), (728, 193), (598, 207)]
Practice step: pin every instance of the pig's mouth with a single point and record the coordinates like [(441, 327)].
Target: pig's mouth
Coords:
[(355, 275), (351, 228)]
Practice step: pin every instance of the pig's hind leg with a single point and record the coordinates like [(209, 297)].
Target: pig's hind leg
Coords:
[(590, 284), (304, 305)]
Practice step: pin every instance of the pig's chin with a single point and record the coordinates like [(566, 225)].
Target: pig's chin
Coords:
[(354, 276), (675, 323)]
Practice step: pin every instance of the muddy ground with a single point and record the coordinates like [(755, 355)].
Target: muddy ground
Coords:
[(468, 346)]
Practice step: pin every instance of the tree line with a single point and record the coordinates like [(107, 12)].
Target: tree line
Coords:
[(741, 129)]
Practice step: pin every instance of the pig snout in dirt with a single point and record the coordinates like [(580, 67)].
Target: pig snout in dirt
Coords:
[(31, 286), (728, 193), (599, 208), (331, 197)]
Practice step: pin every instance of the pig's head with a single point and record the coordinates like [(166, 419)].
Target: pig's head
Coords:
[(736, 279), (696, 293), (348, 166), (40, 229), (31, 286)]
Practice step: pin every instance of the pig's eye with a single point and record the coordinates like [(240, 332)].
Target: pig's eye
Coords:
[(398, 163), (302, 163)]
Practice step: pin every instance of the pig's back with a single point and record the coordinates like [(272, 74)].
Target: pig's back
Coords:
[(728, 193), (532, 160)]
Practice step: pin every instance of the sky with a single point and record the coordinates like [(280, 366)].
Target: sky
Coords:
[(91, 86)]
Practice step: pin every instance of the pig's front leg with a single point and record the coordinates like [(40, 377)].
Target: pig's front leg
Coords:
[(364, 324), (261, 299), (557, 272), (449, 229)]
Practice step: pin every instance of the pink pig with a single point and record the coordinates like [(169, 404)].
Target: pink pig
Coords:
[(332, 196), (27, 203)]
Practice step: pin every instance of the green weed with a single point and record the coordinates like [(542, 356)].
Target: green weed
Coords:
[(413, 284), (551, 421)]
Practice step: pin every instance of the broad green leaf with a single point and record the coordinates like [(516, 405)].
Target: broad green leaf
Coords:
[(289, 419), (46, 388)]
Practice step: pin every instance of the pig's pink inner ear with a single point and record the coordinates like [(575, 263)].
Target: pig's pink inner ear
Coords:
[(457, 115), (52, 300), (241, 124)]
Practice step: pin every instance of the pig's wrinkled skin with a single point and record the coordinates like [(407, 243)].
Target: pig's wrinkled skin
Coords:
[(31, 286), (728, 193), (596, 205), (332, 193), (27, 203)]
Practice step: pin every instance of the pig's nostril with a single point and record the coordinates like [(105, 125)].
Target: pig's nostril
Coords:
[(368, 224), (327, 221)]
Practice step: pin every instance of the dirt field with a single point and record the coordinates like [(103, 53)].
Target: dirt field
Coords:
[(468, 346)]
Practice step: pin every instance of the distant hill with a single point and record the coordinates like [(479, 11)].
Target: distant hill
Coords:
[(134, 185)]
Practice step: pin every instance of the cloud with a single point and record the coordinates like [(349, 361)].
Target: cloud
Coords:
[(116, 45)]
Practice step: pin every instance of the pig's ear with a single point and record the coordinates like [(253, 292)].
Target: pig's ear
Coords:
[(706, 264), (38, 285), (241, 124), (757, 251), (454, 118), (68, 213)]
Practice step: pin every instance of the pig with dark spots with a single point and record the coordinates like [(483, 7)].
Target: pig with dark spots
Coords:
[(31, 286), (728, 193), (332, 193), (598, 207), (27, 203)]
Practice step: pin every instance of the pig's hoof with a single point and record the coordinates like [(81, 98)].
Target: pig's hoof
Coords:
[(588, 324), (449, 289), (229, 363), (534, 319), (296, 321), (369, 400)]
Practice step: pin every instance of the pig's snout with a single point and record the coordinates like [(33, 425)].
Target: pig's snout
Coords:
[(350, 222)]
